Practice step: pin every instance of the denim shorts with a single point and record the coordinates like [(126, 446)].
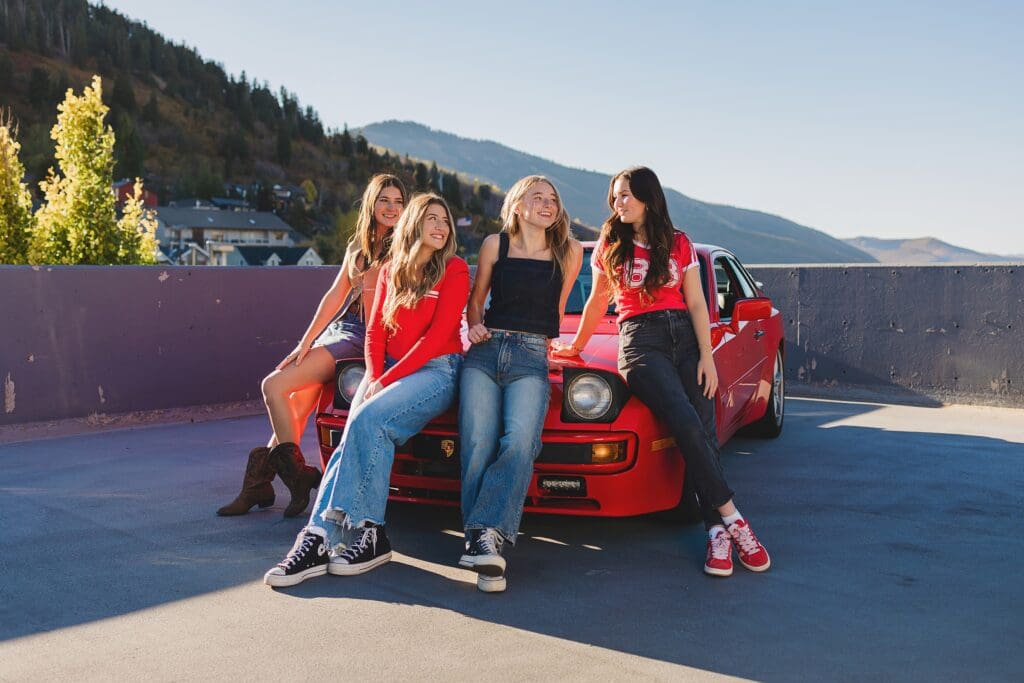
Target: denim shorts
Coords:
[(344, 338)]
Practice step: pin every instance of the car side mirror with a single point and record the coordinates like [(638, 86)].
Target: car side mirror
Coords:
[(749, 310)]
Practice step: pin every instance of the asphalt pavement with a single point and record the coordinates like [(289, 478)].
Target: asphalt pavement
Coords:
[(895, 534)]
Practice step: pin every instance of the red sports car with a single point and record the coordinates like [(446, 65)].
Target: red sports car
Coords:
[(604, 453)]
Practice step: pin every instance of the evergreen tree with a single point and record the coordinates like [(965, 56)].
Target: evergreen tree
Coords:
[(77, 223), (347, 145), (123, 97), (284, 146), (151, 112), (38, 87), (6, 73), (16, 218)]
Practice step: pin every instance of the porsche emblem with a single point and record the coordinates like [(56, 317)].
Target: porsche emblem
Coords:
[(448, 448)]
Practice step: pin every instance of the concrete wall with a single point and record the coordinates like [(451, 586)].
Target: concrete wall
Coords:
[(80, 340), (77, 341), (931, 333)]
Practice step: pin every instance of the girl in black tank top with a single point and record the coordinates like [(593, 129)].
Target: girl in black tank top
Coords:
[(528, 269)]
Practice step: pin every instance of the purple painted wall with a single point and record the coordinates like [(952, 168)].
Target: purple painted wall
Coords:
[(78, 340)]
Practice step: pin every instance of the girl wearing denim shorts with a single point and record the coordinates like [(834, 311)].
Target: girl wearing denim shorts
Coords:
[(413, 356), (292, 390), (528, 269), (665, 351)]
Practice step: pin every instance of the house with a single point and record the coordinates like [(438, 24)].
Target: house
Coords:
[(125, 190), (177, 227), (273, 256)]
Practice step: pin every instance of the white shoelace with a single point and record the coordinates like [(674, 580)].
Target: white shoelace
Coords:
[(745, 538), (303, 545), (721, 546), (360, 545), (490, 542)]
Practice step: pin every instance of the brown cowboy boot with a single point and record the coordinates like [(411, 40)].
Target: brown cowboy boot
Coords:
[(256, 486), (286, 459)]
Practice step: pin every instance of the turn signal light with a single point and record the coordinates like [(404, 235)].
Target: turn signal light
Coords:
[(606, 452)]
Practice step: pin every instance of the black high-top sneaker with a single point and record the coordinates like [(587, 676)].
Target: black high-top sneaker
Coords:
[(370, 549), (488, 560), (307, 558), (471, 550)]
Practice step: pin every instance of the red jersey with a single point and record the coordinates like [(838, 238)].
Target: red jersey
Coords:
[(427, 330), (631, 299)]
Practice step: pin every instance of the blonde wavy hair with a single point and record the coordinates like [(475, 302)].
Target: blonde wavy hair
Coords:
[(364, 242), (558, 235), (405, 286)]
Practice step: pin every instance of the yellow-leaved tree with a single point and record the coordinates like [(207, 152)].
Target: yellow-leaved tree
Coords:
[(16, 218), (78, 223)]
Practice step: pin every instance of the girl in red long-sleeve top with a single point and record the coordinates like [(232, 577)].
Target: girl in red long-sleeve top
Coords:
[(413, 358)]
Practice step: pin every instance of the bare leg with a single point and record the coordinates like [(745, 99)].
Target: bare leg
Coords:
[(291, 394)]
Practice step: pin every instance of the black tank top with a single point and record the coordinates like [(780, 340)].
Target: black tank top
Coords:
[(524, 293)]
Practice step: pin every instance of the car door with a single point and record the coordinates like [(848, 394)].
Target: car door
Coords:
[(739, 361)]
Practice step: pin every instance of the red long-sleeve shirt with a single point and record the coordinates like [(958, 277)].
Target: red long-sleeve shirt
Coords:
[(427, 330)]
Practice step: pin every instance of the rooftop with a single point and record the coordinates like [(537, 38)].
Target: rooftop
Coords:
[(116, 567)]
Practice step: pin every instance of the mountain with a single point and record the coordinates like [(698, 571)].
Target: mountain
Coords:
[(921, 250), (756, 237)]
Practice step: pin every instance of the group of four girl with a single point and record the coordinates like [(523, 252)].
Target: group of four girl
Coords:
[(401, 275)]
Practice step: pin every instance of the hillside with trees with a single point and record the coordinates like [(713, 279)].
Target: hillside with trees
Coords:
[(193, 131)]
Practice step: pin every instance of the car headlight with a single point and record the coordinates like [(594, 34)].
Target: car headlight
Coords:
[(589, 396), (592, 395), (347, 376)]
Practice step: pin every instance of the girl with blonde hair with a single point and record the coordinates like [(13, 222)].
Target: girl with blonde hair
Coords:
[(413, 356), (292, 390), (528, 269)]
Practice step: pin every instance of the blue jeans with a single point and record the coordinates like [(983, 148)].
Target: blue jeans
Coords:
[(503, 398), (354, 489)]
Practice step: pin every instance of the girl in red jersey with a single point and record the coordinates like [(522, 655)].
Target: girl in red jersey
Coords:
[(665, 351), (292, 390), (413, 357)]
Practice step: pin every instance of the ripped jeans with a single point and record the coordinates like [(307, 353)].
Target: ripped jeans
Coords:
[(354, 489)]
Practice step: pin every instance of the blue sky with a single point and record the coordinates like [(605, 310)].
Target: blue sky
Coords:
[(857, 118)]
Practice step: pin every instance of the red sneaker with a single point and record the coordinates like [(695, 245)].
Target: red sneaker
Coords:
[(719, 561), (752, 554)]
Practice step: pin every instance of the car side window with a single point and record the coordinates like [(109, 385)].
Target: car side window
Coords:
[(745, 277), (730, 286)]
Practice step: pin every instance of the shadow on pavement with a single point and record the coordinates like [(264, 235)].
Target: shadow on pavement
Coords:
[(890, 551)]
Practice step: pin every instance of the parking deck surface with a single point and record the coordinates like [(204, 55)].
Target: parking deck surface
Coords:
[(895, 534)]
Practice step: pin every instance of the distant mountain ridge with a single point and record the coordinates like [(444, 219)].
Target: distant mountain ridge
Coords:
[(756, 237), (922, 250)]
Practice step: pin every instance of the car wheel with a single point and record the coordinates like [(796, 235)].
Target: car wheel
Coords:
[(770, 426)]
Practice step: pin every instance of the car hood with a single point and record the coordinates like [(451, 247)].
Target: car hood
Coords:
[(602, 350)]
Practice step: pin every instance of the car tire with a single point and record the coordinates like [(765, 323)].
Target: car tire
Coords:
[(770, 425)]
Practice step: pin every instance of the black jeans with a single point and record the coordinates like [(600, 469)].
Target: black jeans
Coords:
[(658, 356)]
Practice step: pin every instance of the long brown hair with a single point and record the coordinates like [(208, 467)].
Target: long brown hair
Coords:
[(368, 248), (405, 286), (558, 236), (618, 236)]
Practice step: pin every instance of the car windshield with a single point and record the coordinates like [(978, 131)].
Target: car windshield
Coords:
[(585, 281), (581, 288)]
